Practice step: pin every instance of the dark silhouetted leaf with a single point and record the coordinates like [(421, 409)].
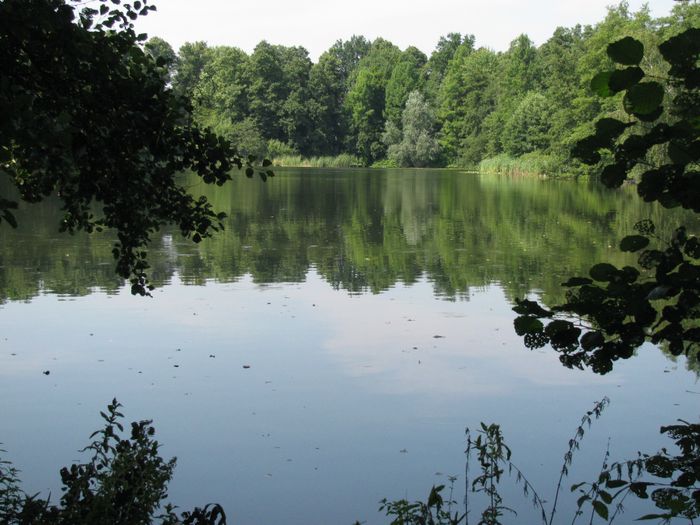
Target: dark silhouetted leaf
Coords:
[(587, 150), (625, 78), (644, 98), (591, 340), (603, 272), (577, 281), (613, 175), (527, 307), (627, 51), (601, 509), (610, 128), (527, 325), (615, 483), (634, 243)]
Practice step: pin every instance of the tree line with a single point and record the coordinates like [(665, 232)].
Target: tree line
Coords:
[(385, 106)]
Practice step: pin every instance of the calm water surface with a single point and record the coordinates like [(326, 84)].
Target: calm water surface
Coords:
[(329, 348)]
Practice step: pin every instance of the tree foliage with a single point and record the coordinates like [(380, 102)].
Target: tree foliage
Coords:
[(332, 107), (414, 144), (659, 299), (88, 116)]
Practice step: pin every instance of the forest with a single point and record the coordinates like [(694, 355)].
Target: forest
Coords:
[(372, 104)]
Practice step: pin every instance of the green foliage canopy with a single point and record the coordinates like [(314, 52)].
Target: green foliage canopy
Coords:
[(88, 116)]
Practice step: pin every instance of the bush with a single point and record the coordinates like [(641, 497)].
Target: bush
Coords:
[(277, 148)]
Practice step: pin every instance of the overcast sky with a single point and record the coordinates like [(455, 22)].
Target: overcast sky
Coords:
[(317, 24)]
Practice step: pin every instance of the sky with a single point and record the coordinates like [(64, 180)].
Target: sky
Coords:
[(316, 25)]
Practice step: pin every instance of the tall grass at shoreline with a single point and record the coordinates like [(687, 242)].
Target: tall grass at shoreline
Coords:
[(529, 164), (344, 160)]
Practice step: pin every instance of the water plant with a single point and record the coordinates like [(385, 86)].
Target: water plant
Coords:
[(123, 483)]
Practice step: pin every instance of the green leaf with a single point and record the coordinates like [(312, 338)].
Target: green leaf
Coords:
[(634, 243), (653, 517), (627, 51), (644, 98), (601, 509), (615, 483), (625, 78), (266, 163), (606, 497), (603, 272), (600, 84), (526, 324)]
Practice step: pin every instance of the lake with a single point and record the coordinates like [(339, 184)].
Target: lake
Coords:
[(329, 348)]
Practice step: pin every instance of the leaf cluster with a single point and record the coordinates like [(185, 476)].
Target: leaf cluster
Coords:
[(615, 310), (88, 117), (671, 482), (434, 511)]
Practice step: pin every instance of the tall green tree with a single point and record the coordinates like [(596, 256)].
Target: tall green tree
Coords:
[(220, 95), (439, 60), (296, 118), (527, 130), (513, 79), (349, 53), (366, 105), (366, 100), (405, 78), (266, 90), (164, 55), (467, 97), (327, 89), (191, 59)]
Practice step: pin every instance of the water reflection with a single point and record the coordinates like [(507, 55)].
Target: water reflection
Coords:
[(360, 231)]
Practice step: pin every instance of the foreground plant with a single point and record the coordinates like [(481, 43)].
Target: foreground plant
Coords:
[(671, 482), (494, 458), (674, 485), (124, 483), (434, 511)]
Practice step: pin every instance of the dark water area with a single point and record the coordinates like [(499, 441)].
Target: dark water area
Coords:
[(328, 348)]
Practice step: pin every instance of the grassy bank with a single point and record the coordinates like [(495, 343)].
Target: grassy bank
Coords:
[(344, 160), (529, 164)]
